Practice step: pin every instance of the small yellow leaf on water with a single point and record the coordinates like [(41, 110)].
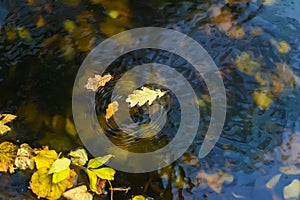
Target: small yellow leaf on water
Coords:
[(263, 99), (290, 170), (69, 26), (111, 109), (41, 22), (273, 181), (97, 81), (292, 191), (105, 173), (24, 33), (99, 161), (141, 97), (5, 118), (78, 193), (236, 32)]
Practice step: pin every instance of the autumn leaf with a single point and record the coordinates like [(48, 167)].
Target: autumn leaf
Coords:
[(40, 22), (245, 64), (79, 157), (69, 26), (190, 159), (111, 109), (24, 33), (96, 184), (45, 158), (292, 191), (214, 181), (105, 173), (4, 119), (97, 81), (273, 181), (263, 99), (139, 197), (41, 184), (8, 152), (24, 159), (78, 193), (99, 161), (140, 97), (290, 170), (59, 165)]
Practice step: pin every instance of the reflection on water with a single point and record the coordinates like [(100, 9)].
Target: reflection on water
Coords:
[(43, 43)]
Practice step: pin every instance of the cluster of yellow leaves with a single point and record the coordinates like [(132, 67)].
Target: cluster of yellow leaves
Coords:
[(53, 175), (98, 175), (111, 109), (4, 119), (226, 23), (215, 181), (141, 97), (272, 84), (97, 81), (8, 152)]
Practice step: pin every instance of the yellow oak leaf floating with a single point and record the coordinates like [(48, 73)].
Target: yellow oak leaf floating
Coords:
[(111, 109), (4, 119), (263, 99), (97, 81), (78, 193), (24, 159), (141, 97), (8, 152)]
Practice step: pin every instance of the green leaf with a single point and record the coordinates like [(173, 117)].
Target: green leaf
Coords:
[(93, 181), (105, 173), (99, 161), (60, 176), (79, 157), (59, 165)]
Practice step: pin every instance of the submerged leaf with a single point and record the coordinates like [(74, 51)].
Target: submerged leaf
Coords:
[(246, 64), (78, 193), (140, 97), (105, 173), (292, 191), (69, 26), (282, 47), (99, 161), (97, 81), (79, 157), (24, 159), (273, 181), (263, 99), (111, 109), (41, 184), (24, 33), (8, 153), (5, 118)]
